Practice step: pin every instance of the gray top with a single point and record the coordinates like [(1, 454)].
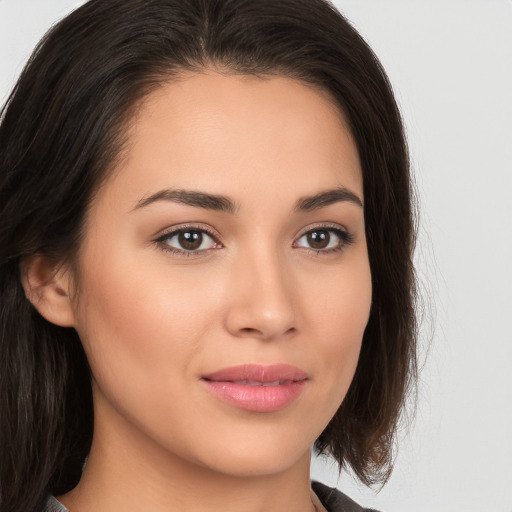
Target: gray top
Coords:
[(335, 501), (52, 505), (332, 499)]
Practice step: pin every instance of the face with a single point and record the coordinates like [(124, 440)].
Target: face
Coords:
[(224, 283)]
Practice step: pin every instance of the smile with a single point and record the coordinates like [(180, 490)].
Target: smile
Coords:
[(257, 388)]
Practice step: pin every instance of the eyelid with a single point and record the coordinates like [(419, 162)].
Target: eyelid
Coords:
[(171, 231), (346, 237), (323, 225), (188, 225)]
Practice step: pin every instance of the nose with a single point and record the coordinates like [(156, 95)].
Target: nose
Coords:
[(261, 301)]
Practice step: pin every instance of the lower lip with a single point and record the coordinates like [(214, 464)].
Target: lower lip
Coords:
[(256, 398)]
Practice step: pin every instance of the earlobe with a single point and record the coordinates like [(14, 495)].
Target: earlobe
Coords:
[(47, 287)]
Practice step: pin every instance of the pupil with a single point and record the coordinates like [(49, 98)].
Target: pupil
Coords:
[(318, 239), (190, 240)]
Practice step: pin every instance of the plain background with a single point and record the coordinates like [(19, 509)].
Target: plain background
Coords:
[(450, 62)]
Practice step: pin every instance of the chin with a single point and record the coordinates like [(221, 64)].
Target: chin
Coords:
[(259, 465), (259, 455)]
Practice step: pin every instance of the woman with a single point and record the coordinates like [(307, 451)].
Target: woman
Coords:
[(206, 240)]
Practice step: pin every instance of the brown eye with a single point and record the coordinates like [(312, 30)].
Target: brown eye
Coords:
[(318, 239), (188, 241), (325, 239)]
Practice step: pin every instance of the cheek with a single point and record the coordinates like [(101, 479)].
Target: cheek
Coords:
[(340, 314), (131, 317), (342, 301), (141, 326)]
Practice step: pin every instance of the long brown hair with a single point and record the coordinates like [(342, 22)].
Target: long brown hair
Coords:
[(61, 130)]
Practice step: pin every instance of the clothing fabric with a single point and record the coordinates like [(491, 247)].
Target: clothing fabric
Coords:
[(335, 501), (332, 499), (53, 505)]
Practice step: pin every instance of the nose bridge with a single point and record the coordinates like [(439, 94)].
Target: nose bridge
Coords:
[(262, 302)]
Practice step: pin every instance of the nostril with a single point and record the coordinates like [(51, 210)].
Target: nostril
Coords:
[(253, 332), (250, 330)]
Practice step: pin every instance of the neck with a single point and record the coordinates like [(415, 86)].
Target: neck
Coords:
[(126, 470)]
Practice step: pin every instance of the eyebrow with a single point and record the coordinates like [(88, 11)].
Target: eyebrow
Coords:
[(326, 198), (192, 198), (225, 204)]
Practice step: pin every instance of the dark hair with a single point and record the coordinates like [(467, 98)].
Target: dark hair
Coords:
[(63, 127)]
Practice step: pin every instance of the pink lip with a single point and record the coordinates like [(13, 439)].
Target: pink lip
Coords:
[(257, 388)]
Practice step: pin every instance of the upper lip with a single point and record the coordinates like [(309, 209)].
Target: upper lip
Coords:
[(258, 373)]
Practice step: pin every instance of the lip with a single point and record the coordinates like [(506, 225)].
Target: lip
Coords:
[(256, 387)]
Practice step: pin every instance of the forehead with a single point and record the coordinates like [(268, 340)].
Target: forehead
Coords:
[(231, 134)]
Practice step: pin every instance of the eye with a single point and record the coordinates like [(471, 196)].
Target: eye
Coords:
[(188, 241), (324, 239)]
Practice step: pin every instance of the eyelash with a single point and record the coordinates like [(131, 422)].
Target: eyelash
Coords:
[(161, 240), (345, 239)]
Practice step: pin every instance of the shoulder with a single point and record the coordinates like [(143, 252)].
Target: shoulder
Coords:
[(52, 505), (335, 501)]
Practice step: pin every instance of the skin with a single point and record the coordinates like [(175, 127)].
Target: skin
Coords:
[(152, 321)]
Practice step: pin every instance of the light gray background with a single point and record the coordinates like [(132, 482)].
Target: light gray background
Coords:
[(450, 62)]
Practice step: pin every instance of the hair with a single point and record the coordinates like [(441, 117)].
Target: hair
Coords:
[(62, 129)]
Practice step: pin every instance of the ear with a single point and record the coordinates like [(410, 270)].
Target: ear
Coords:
[(48, 286)]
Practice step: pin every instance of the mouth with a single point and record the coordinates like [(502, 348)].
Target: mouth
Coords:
[(257, 388), (255, 383)]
